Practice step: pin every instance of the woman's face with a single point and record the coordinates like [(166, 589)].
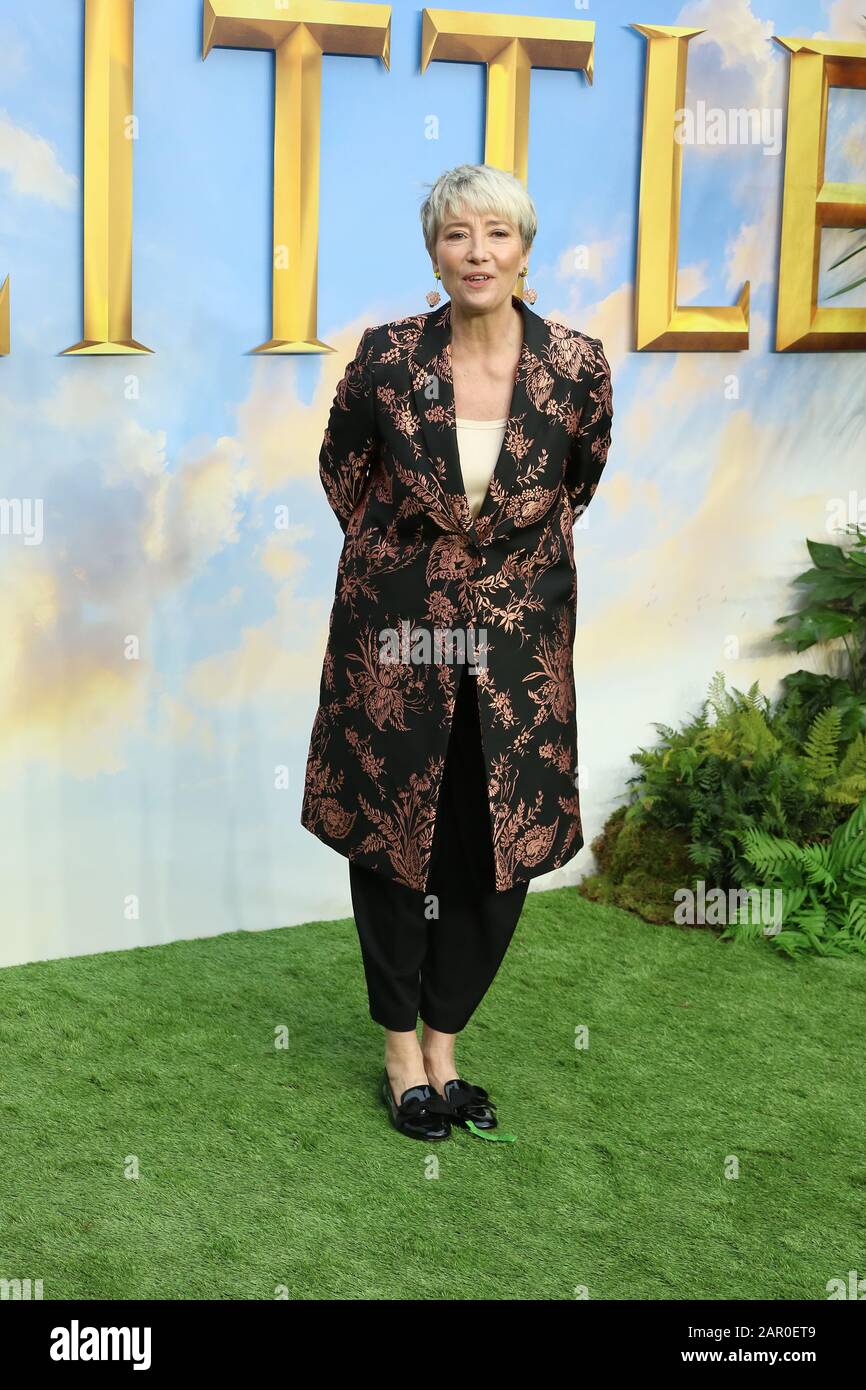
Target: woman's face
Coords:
[(473, 243)]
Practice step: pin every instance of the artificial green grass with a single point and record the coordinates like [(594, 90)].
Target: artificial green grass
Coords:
[(267, 1172)]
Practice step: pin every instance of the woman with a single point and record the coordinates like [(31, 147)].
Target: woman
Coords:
[(461, 446)]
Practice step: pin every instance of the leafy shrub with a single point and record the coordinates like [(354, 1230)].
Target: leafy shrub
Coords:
[(834, 609), (741, 779), (716, 778), (641, 867)]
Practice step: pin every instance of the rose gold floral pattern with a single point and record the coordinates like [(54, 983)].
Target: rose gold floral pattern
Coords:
[(414, 558)]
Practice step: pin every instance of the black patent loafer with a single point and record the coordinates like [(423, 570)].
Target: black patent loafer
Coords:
[(421, 1114), (468, 1102)]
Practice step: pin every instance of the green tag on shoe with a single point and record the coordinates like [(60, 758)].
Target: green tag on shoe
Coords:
[(491, 1134)]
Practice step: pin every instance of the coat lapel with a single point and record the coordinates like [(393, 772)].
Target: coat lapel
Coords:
[(433, 390)]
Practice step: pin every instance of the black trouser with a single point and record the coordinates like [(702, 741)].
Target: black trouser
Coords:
[(442, 967)]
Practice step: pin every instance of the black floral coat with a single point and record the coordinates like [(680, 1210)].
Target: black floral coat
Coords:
[(414, 562)]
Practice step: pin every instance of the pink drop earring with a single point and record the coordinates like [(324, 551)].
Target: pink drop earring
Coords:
[(433, 296), (529, 295)]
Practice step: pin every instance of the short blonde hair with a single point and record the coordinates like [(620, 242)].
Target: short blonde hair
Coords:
[(478, 188)]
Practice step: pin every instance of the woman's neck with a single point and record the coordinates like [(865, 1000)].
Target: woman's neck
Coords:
[(499, 330)]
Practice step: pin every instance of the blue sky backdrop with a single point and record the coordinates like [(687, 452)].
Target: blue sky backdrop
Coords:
[(141, 799)]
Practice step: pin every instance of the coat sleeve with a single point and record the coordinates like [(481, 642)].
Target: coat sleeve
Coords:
[(350, 440), (591, 444)]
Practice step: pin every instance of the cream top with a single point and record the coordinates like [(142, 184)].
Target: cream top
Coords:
[(478, 443)]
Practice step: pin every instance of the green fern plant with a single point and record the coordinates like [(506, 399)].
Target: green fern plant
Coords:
[(822, 888), (715, 778), (842, 782)]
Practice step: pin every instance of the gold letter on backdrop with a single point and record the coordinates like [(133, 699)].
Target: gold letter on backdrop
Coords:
[(4, 318), (659, 322), (810, 203), (299, 31), (108, 31), (510, 45)]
